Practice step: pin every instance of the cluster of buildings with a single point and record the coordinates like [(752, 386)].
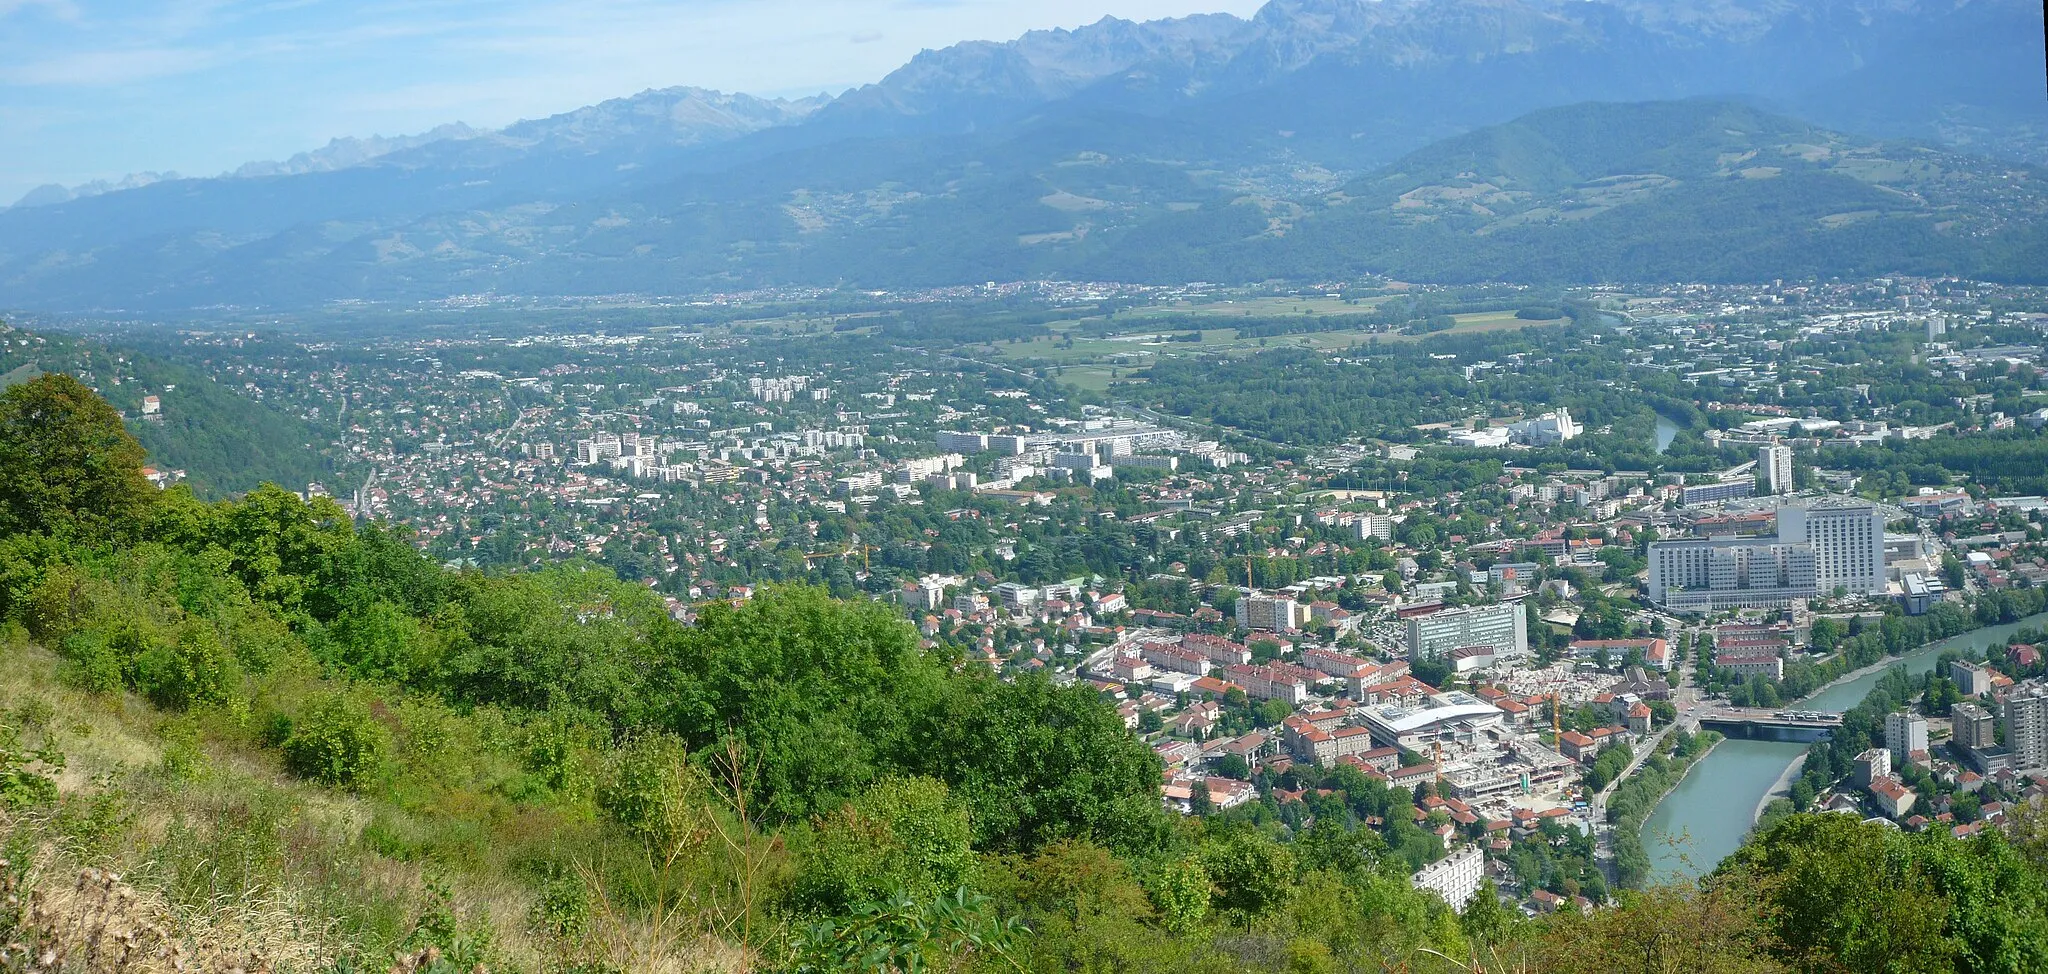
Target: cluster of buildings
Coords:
[(1819, 548), (1549, 429)]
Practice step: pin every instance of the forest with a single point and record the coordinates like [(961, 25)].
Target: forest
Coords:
[(252, 735)]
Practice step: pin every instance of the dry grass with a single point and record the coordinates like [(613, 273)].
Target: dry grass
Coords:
[(98, 924)]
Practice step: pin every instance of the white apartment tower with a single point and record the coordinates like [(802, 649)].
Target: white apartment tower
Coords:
[(1847, 541), (1774, 462), (2026, 726), (1503, 628), (1905, 733)]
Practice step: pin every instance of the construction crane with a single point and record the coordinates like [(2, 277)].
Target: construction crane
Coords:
[(852, 548)]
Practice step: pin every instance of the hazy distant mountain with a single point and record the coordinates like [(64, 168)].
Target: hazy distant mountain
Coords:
[(1145, 150), (50, 194), (345, 152)]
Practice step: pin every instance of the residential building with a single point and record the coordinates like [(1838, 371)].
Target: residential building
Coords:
[(1455, 877), (1270, 682), (1513, 577), (1714, 493), (1905, 733), (2026, 726), (1972, 678), (1744, 667), (1270, 613), (952, 442), (1379, 526), (1774, 463), (1873, 764), (1893, 796), (1974, 729)]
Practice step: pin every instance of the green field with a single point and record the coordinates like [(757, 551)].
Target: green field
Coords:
[(1087, 363)]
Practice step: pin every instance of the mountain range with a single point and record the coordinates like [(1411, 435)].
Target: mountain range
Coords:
[(1541, 140)]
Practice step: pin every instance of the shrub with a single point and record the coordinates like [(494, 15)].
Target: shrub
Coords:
[(340, 743), (194, 669)]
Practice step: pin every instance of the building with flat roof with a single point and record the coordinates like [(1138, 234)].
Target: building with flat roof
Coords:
[(1707, 575), (1774, 463), (1973, 727), (1456, 716), (2026, 726), (1847, 538), (1455, 877), (1714, 493), (1905, 733), (1503, 628)]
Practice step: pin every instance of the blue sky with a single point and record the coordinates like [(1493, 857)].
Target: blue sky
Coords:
[(94, 89)]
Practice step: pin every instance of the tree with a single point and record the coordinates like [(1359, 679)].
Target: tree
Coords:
[(1180, 892), (67, 465), (1485, 920), (1252, 872), (1233, 766), (1035, 762)]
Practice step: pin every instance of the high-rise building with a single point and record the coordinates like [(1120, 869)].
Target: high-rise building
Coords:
[(1503, 628), (1717, 574), (1905, 733), (1378, 526), (1972, 678), (1847, 540), (1973, 727), (1271, 613), (1774, 463), (2026, 726)]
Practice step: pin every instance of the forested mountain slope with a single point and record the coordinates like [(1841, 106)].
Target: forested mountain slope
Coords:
[(1132, 151), (224, 440)]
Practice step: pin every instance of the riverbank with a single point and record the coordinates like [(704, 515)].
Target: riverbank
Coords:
[(1878, 667), (1782, 788), (1716, 809), (1697, 760)]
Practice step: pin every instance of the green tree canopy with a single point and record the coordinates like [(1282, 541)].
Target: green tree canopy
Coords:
[(67, 465)]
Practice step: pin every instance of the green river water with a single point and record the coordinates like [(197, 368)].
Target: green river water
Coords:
[(1705, 818)]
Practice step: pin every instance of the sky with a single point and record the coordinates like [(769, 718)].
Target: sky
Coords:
[(95, 89)]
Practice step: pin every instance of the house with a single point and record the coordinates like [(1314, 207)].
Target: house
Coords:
[(1893, 796), (1576, 746)]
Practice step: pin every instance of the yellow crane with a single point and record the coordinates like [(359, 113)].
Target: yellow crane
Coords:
[(853, 548)]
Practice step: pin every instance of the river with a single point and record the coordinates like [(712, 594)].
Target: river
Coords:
[(1666, 432), (1715, 805)]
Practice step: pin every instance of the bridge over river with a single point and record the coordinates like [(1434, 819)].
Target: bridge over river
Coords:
[(1756, 723)]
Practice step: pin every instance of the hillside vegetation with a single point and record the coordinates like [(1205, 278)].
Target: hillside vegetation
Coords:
[(253, 736)]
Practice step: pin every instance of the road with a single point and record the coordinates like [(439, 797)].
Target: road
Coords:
[(1687, 699)]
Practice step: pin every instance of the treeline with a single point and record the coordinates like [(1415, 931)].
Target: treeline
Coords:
[(1636, 799), (1411, 313)]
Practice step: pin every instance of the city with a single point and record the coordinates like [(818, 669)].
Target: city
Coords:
[(1265, 613), (1108, 486)]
